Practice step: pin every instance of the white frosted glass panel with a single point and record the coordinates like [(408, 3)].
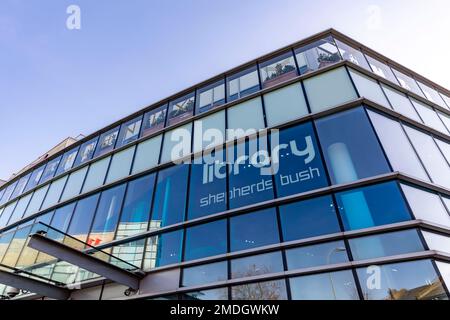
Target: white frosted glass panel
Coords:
[(432, 158), (397, 147), (401, 103), (54, 192), (437, 242), (96, 174), (209, 131), (177, 143), (74, 184), (147, 154), (446, 119), (329, 89), (244, 118), (429, 116), (426, 205), (120, 165), (285, 104), (444, 269), (36, 200), (445, 148), (369, 88)]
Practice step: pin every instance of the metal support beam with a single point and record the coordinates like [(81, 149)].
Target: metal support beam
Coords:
[(84, 261), (35, 286)]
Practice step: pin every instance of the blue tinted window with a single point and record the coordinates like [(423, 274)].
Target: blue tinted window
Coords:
[(170, 196), (350, 146), (34, 179), (254, 229), (5, 239), (208, 189), (8, 192), (82, 217), (60, 221), (20, 186), (205, 273), (154, 120), (372, 206), (181, 109), (67, 161), (107, 215), (267, 290), (136, 208), (206, 240), (86, 151), (309, 218), (300, 163), (129, 131), (165, 249), (107, 142), (257, 265), (386, 244), (211, 294), (50, 169), (316, 255), (247, 182)]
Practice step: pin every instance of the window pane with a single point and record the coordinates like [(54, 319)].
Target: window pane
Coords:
[(436, 241), (177, 143), (369, 88), (446, 99), (136, 208), (20, 186), (212, 294), (316, 255), (36, 200), (120, 165), (444, 269), (5, 239), (257, 265), (250, 179), (96, 174), (277, 70), (445, 119), (181, 109), (67, 161), (385, 245), (401, 103), (50, 170), (129, 131), (8, 192), (206, 240), (317, 55), (445, 148), (34, 179), (154, 120), (86, 151), (107, 142), (269, 290), (20, 208), (54, 192), (407, 82), (430, 155), (429, 116), (210, 96), (163, 249), (309, 218), (416, 280), (208, 186), (372, 206), (206, 273), (74, 183), (242, 83), (209, 131), (107, 215), (245, 118), (6, 215), (82, 220), (253, 230), (350, 147), (60, 221), (147, 154), (329, 89), (353, 55), (432, 95), (338, 285), (285, 104), (420, 202), (298, 163), (15, 247), (131, 252), (397, 146), (381, 69), (170, 196)]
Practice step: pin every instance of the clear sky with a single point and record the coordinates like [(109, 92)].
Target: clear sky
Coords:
[(56, 82)]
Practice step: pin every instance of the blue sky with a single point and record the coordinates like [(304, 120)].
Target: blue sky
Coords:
[(56, 82)]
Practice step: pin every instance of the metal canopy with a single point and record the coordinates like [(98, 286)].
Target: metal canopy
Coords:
[(21, 282), (84, 261)]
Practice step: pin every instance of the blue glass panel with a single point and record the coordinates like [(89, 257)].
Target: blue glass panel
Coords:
[(107, 142), (50, 170), (60, 221), (34, 179), (316, 255), (129, 131), (82, 217), (86, 151), (168, 248), (67, 160), (154, 121), (257, 265), (205, 273), (206, 240)]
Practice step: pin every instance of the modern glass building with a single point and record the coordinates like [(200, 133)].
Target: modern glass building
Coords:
[(343, 192)]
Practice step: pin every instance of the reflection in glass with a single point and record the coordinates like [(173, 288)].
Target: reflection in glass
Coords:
[(96, 174), (36, 200), (154, 120), (50, 170), (20, 186), (181, 109), (407, 82), (8, 192), (353, 55), (317, 55), (257, 265), (432, 95), (74, 183), (210, 96), (81, 221), (211, 294), (67, 160), (206, 240), (316, 255), (163, 249), (269, 290), (129, 131), (34, 179), (205, 273), (242, 84), (107, 142), (86, 151), (381, 69), (277, 70)]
